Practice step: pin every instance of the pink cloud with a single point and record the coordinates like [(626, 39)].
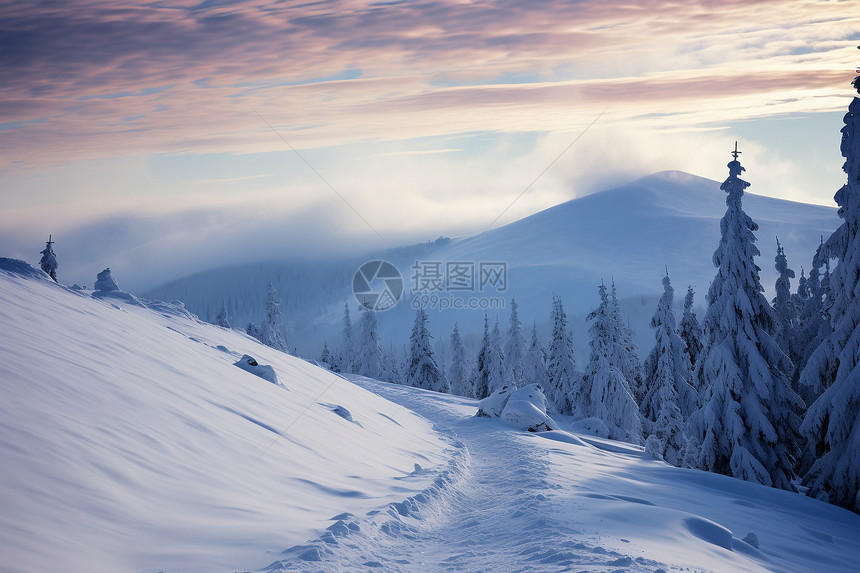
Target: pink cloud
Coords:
[(426, 68)]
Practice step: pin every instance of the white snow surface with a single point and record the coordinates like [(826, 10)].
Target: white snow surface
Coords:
[(130, 442)]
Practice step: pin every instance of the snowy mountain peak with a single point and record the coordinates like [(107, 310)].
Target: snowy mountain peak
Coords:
[(630, 233)]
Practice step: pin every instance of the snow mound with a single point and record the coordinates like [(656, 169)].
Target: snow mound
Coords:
[(264, 371), (524, 408), (172, 308), (22, 268), (120, 296), (343, 413), (591, 427), (710, 532)]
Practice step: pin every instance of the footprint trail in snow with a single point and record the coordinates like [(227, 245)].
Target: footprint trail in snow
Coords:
[(490, 510)]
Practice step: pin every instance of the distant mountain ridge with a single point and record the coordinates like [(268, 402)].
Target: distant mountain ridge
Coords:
[(629, 233)]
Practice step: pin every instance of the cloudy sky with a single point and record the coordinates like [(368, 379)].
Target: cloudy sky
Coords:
[(167, 136)]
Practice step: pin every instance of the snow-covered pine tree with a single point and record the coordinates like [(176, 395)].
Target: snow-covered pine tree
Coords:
[(747, 423), (798, 299), (391, 369), (369, 359), (627, 358), (832, 423), (782, 302), (325, 355), (610, 398), (796, 341), (515, 347), (802, 292), (459, 371), (690, 330), (347, 353), (564, 390), (534, 367), (480, 385), (48, 263), (423, 372), (271, 331), (814, 326), (669, 397), (221, 319), (827, 297), (498, 374)]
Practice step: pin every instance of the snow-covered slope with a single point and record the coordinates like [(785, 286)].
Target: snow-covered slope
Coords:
[(129, 441), (630, 234)]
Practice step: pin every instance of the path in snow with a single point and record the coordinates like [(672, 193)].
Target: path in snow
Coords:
[(490, 510)]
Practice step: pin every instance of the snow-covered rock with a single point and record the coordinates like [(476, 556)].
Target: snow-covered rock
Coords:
[(264, 371), (106, 287), (526, 416), (524, 408), (105, 282), (492, 405)]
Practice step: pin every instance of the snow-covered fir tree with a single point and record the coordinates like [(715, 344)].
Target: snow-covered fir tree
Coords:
[(325, 355), (564, 390), (798, 303), (832, 423), (458, 370), (534, 366), (796, 341), (748, 421), (690, 330), (392, 371), (783, 309), (610, 397), (346, 362), (627, 358), (369, 359), (498, 374), (480, 383), (48, 263), (669, 398), (271, 331), (515, 347), (221, 318), (813, 325), (423, 372), (801, 294)]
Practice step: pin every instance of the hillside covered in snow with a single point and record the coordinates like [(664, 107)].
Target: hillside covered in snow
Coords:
[(130, 440)]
